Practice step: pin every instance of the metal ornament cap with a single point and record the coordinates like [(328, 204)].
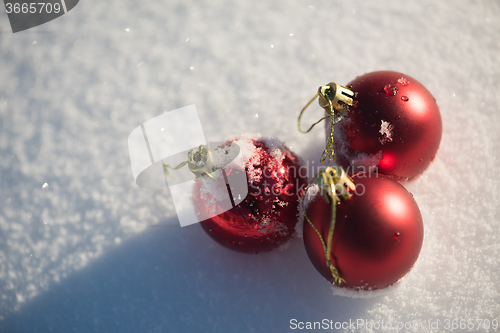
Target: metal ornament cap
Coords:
[(335, 96)]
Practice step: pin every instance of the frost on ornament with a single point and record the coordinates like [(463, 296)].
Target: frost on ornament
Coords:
[(265, 216), (386, 131)]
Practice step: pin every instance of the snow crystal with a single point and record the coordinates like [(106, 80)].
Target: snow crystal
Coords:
[(363, 293), (403, 81), (365, 160), (222, 156), (386, 131), (213, 190), (249, 156)]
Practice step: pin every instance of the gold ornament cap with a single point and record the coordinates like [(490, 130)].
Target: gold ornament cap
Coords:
[(200, 162), (335, 96), (333, 182)]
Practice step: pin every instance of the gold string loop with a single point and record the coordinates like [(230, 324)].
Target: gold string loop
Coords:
[(335, 100), (334, 184)]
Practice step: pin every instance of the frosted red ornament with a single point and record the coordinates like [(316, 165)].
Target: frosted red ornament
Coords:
[(267, 216), (378, 233), (394, 125)]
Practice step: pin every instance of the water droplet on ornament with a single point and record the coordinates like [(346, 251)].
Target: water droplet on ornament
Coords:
[(405, 98), (420, 160), (397, 117), (396, 236)]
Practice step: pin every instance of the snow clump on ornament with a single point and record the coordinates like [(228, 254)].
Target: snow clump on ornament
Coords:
[(265, 212)]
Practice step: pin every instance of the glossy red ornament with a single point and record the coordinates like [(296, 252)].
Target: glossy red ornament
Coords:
[(394, 124), (266, 218), (377, 237)]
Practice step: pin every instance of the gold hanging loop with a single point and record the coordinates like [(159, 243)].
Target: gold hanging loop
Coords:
[(333, 183), (300, 116), (335, 100)]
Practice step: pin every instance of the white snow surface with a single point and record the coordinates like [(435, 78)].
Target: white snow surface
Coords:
[(83, 249)]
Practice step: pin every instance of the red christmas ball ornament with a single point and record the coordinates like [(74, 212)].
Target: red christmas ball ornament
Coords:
[(394, 124), (384, 120), (376, 235), (266, 217)]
